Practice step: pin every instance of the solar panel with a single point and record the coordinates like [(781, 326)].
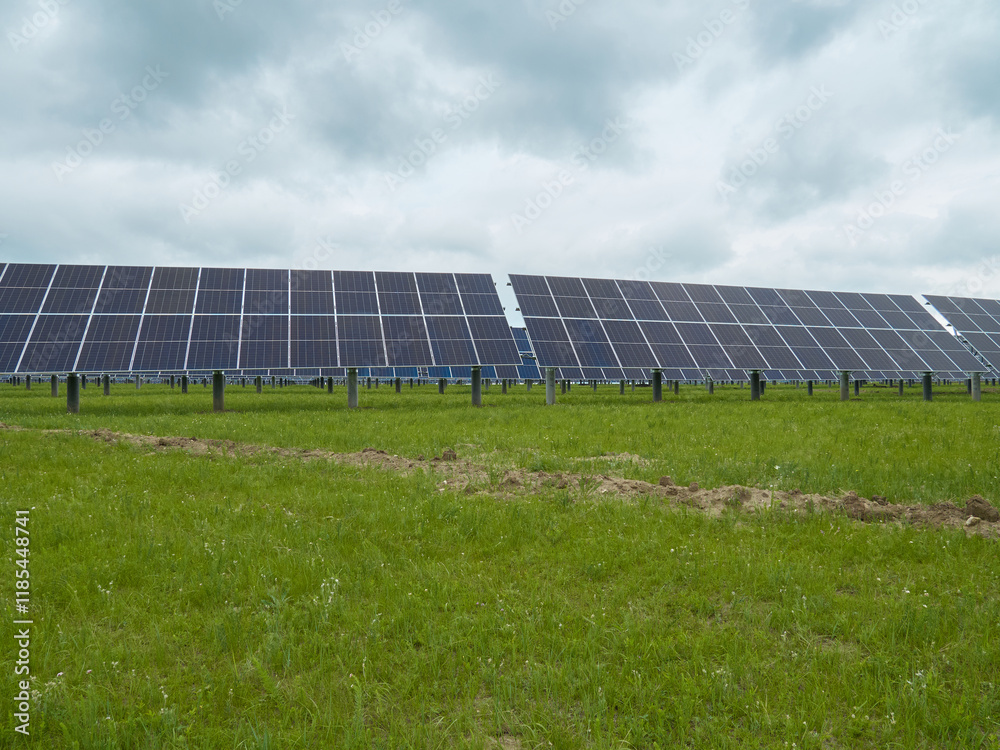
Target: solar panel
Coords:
[(136, 318), (976, 321), (580, 325)]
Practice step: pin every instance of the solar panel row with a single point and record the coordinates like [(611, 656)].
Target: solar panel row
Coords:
[(975, 320), (588, 327), (123, 319)]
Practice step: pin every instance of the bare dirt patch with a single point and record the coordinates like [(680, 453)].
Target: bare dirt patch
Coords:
[(977, 517)]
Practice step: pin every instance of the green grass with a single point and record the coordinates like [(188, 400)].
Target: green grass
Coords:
[(214, 602), (902, 448)]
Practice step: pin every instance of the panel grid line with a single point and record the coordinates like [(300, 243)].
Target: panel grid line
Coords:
[(743, 326), (86, 328), (381, 322), (336, 318), (38, 315), (239, 335), (636, 319), (142, 319), (714, 337), (572, 346), (603, 329), (129, 326), (194, 307), (423, 317), (461, 303)]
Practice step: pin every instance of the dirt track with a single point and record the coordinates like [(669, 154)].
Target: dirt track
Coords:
[(977, 517)]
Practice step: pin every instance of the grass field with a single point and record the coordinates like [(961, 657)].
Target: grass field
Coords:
[(266, 602)]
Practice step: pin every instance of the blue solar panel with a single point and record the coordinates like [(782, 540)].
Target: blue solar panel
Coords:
[(266, 302), (15, 328), (313, 353), (720, 328), (219, 302), (357, 303), (475, 283), (266, 279), (78, 277), (175, 278), (481, 304), (537, 306), (219, 279), (436, 283), (361, 342), (575, 307), (406, 341), (127, 277), (109, 343), (451, 340), (264, 342), (27, 275), (54, 343), (491, 336), (120, 301), (354, 281), (170, 301), (69, 301), (254, 319), (441, 304)]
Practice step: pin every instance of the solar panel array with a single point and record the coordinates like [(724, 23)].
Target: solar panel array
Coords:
[(145, 319), (612, 329), (975, 320)]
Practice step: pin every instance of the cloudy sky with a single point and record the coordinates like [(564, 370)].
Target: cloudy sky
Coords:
[(830, 144)]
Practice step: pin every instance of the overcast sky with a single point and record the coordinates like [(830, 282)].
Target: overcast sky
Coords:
[(822, 144)]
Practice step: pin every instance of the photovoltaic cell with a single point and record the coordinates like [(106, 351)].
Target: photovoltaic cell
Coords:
[(219, 302), (69, 301), (491, 336), (727, 330), (314, 340), (27, 275), (175, 278), (361, 341), (482, 304), (451, 340), (406, 341), (14, 330), (215, 342), (109, 343), (264, 342), (54, 343), (218, 279)]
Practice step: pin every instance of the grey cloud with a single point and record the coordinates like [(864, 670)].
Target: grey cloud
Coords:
[(356, 119)]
